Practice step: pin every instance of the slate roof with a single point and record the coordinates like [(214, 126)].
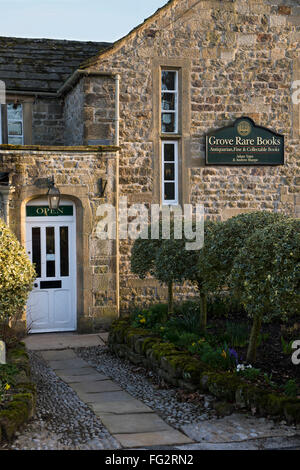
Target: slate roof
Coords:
[(42, 65)]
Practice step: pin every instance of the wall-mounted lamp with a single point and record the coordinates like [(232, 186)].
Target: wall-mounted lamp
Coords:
[(102, 187), (53, 195)]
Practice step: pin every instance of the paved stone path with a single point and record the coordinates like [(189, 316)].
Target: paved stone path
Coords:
[(129, 421), (58, 341)]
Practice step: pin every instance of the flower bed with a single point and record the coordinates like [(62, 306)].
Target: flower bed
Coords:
[(183, 369), (18, 394)]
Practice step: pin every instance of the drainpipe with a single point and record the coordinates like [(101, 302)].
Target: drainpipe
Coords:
[(117, 142), (4, 191)]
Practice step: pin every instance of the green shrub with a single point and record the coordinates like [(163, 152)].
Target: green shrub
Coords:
[(170, 262), (291, 388), (16, 275), (250, 373), (185, 340), (287, 346), (236, 334), (7, 378), (150, 318), (266, 275), (217, 357), (186, 316), (223, 305), (223, 242)]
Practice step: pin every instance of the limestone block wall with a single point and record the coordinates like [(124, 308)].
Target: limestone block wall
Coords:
[(99, 109), (73, 116), (237, 57), (47, 122), (76, 172)]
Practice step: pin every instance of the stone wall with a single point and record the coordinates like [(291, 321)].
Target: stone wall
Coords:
[(99, 110), (235, 58), (73, 116), (76, 171), (47, 122)]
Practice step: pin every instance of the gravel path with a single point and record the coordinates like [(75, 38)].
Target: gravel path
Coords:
[(62, 421), (146, 388)]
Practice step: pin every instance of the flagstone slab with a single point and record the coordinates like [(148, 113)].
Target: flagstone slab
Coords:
[(235, 428), (149, 439), (134, 423), (68, 364), (74, 379), (120, 407), (85, 371), (96, 387), (43, 342), (95, 398), (58, 355)]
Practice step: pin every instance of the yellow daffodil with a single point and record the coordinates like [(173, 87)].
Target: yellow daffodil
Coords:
[(7, 387), (143, 320), (224, 354)]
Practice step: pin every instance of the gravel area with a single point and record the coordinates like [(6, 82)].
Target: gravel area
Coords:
[(147, 387), (62, 421)]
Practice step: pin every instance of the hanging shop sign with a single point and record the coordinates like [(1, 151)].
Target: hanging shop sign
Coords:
[(244, 143)]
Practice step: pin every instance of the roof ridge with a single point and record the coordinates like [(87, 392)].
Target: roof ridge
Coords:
[(63, 41), (94, 59)]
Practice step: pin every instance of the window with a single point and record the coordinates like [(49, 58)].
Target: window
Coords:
[(16, 122), (169, 172), (169, 102), (15, 134)]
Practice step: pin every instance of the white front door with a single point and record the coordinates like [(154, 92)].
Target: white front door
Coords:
[(51, 247)]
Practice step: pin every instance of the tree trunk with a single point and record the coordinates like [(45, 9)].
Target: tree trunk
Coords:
[(170, 298), (252, 348), (203, 312)]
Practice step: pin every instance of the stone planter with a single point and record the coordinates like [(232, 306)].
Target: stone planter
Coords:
[(181, 369)]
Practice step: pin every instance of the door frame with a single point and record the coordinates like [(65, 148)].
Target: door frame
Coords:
[(72, 223)]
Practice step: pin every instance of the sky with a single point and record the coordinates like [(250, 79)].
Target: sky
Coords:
[(83, 20)]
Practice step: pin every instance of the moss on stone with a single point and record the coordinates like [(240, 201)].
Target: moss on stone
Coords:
[(292, 411), (180, 367), (223, 385), (22, 403), (11, 418)]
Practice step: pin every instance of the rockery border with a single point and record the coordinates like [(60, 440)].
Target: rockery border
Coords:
[(180, 369)]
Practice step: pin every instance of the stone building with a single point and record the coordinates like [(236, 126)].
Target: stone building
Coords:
[(131, 119)]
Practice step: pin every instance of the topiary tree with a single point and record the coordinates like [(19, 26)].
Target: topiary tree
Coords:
[(223, 242), (266, 275), (169, 262), (16, 275), (144, 261)]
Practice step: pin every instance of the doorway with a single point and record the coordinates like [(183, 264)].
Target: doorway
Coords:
[(51, 247)]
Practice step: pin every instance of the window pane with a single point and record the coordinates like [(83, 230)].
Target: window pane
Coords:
[(14, 128), (15, 140), (64, 251), (169, 191), (50, 252), (169, 172), (168, 122), (14, 112), (168, 101), (169, 153), (36, 249), (168, 80)]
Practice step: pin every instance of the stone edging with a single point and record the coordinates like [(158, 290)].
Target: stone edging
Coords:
[(21, 406), (180, 369)]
